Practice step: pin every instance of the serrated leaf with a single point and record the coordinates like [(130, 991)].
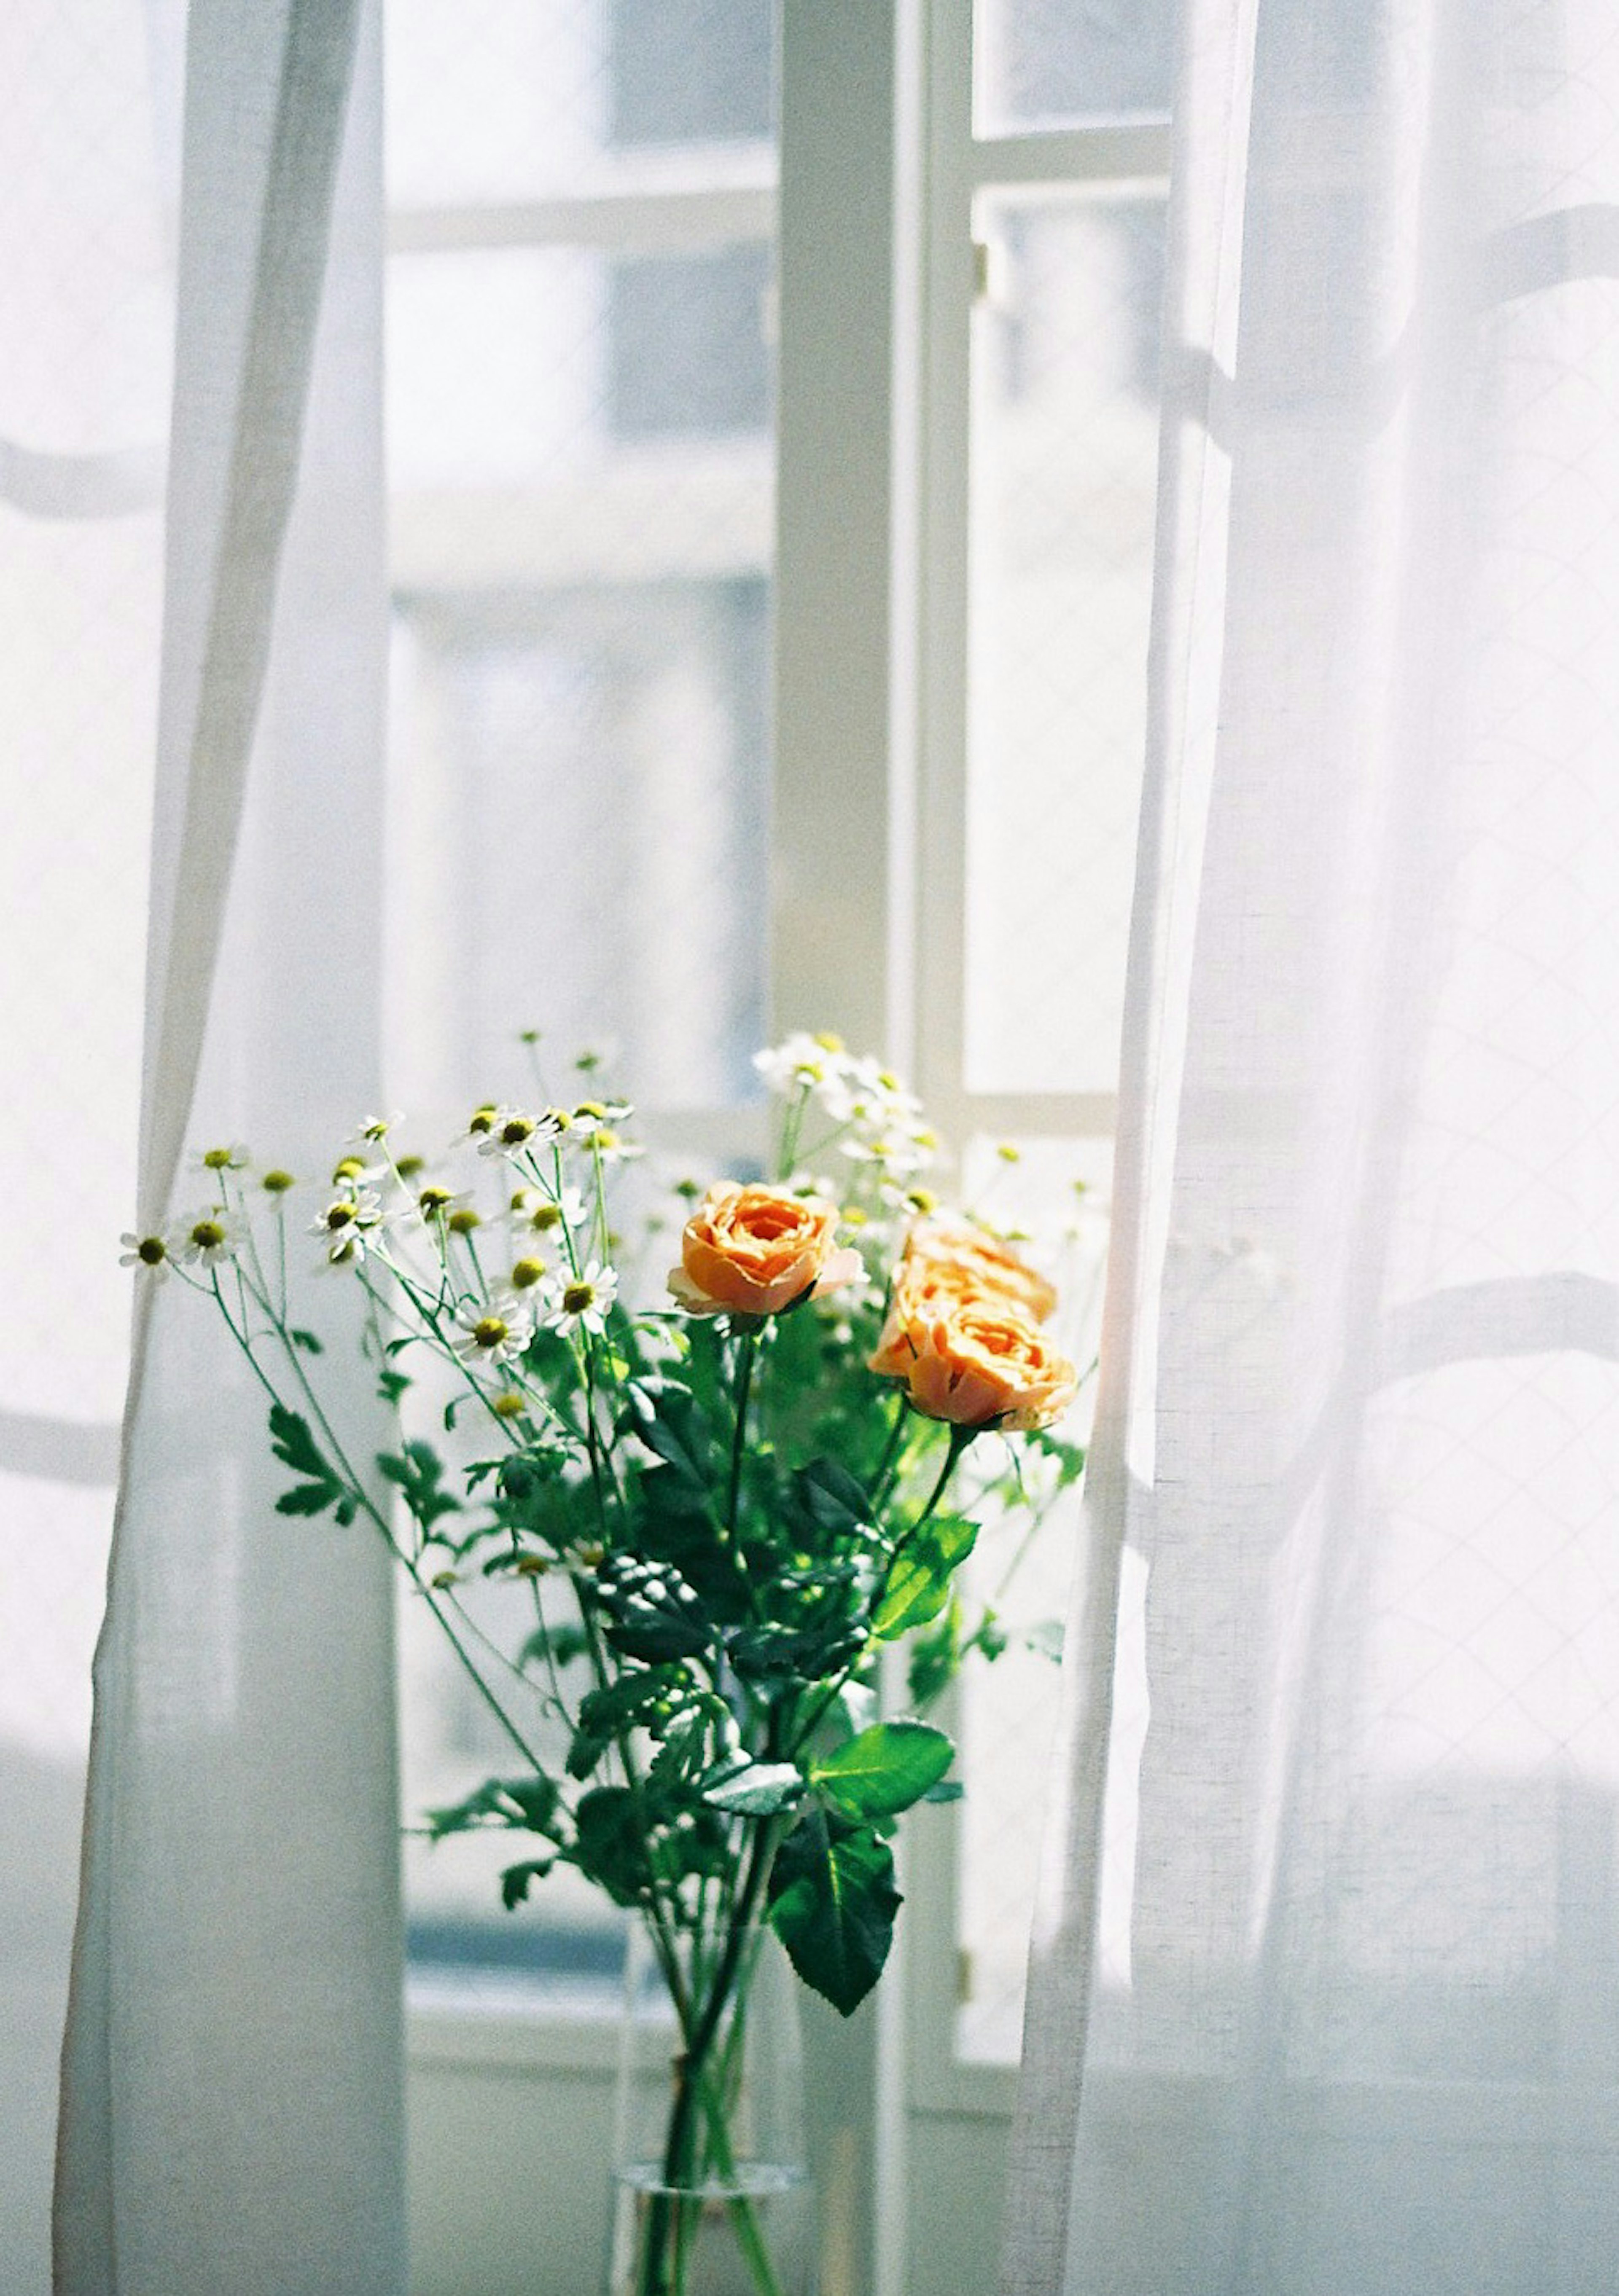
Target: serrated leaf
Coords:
[(293, 1445), (517, 1880), (885, 1769), (559, 1645), (609, 1845), (833, 1902), (918, 1582), (753, 1789), (310, 1498), (527, 1805)]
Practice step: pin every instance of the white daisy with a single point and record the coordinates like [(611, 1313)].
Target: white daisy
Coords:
[(348, 1224), (510, 1130), (148, 1252), (569, 1300), (536, 1211), (234, 1157), (374, 1129), (802, 1060), (603, 1142), (207, 1239), (493, 1334)]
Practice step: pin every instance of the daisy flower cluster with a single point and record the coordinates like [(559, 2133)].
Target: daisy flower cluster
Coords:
[(472, 1254), (839, 1108)]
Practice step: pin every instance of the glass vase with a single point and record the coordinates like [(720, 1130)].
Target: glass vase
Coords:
[(712, 2190)]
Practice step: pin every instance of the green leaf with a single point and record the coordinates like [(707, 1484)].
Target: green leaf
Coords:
[(918, 1584), (527, 1805), (559, 1647), (885, 1769), (833, 1902), (309, 1499), (307, 1340), (294, 1445), (934, 1659), (418, 1474), (517, 1880), (748, 1789), (654, 1614), (610, 1846), (947, 1790), (668, 1420), (391, 1385), (782, 1653), (827, 1497), (639, 1697)]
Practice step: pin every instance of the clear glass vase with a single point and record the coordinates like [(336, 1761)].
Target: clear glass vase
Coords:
[(712, 2189)]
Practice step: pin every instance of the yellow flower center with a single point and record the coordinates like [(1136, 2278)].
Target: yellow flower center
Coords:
[(152, 1251), (465, 1221), (206, 1235), (515, 1131), (432, 1200), (277, 1183), (508, 1405), (526, 1273), (218, 1159), (545, 1217), (577, 1298), (340, 1215), (490, 1330), (348, 1168)]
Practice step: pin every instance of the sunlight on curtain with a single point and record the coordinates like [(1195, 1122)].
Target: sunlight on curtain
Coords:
[(232, 2112), (1360, 1422), (86, 319)]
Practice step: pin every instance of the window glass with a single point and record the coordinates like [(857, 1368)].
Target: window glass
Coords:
[(1044, 64), (695, 72), (1063, 474), (580, 411)]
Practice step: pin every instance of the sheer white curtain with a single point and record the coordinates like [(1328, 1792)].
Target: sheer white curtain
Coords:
[(232, 2081), (1351, 2019)]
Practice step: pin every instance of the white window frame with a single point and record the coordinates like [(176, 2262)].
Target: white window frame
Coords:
[(880, 169)]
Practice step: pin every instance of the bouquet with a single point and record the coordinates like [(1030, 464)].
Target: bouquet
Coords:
[(722, 1494)]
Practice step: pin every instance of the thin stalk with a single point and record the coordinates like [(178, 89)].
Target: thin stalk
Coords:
[(961, 1437)]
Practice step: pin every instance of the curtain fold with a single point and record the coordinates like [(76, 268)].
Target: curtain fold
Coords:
[(231, 2089), (1325, 1989)]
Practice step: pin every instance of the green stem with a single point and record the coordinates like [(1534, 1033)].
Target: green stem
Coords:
[(961, 1437), (668, 2221)]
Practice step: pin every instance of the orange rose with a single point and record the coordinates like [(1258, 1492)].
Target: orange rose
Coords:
[(753, 1251), (977, 1361), (971, 1259)]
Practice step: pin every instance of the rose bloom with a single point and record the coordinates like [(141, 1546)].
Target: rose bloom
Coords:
[(969, 1260), (974, 1362), (753, 1251)]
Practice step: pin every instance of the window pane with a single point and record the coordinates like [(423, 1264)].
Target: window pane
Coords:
[(580, 408), (1042, 64), (696, 72), (1064, 454), (1008, 1710)]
